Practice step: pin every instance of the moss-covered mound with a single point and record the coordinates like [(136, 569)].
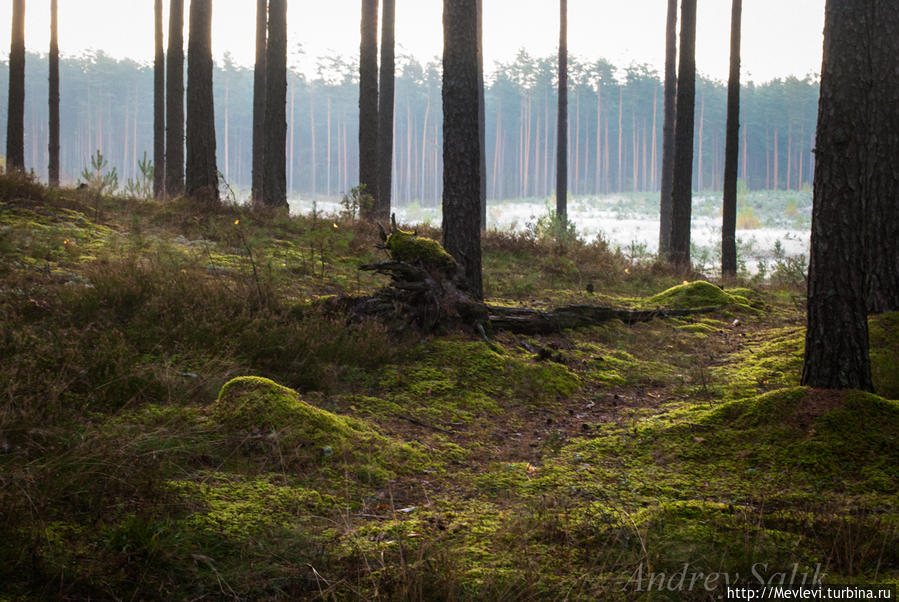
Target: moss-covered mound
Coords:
[(419, 250), (697, 294), (883, 332), (269, 419)]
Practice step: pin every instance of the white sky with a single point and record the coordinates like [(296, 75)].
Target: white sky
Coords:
[(780, 37)]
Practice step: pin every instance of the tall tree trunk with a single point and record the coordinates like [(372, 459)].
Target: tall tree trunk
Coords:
[(653, 170), (668, 119), (598, 174), (15, 124), (368, 104), (274, 186), (620, 139), (258, 168), (313, 154), (776, 161), (731, 148), (385, 111), (562, 121), (174, 102), (53, 146), (848, 156), (158, 106), (883, 202), (201, 174), (683, 139), (482, 115), (699, 187), (461, 146)]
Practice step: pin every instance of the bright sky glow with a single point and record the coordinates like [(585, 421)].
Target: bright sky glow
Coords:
[(780, 37)]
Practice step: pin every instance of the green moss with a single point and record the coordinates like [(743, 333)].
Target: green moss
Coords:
[(766, 363), (293, 432), (883, 333), (696, 294), (419, 250)]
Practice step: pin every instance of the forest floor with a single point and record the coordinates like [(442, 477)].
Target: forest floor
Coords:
[(182, 417)]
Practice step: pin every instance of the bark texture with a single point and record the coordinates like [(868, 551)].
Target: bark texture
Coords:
[(846, 151), (274, 186), (682, 184), (883, 207), (368, 103), (461, 146), (259, 101), (731, 148), (201, 174), (174, 102), (670, 113), (53, 99), (482, 115), (562, 117), (385, 111), (158, 106), (15, 124)]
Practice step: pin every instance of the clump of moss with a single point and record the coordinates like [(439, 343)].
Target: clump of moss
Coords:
[(696, 294), (273, 420), (419, 250), (883, 332)]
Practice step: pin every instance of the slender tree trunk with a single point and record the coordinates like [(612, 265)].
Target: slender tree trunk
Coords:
[(776, 161), (562, 122), (836, 343), (701, 123), (174, 102), (497, 146), (683, 139), (227, 136), (258, 176), (201, 173), (53, 146), (368, 104), (620, 139), (158, 107), (15, 124), (598, 174), (385, 111), (291, 128), (789, 157), (668, 119), (313, 156), (653, 171), (461, 145), (731, 149), (328, 149), (274, 187)]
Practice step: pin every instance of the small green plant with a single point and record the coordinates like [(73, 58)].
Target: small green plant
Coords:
[(550, 228), (97, 179), (142, 186), (357, 201), (789, 271)]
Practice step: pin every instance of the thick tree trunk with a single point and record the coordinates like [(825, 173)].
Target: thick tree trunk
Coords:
[(562, 121), (201, 173), (368, 104), (15, 125), (461, 147), (482, 116), (158, 108), (174, 102), (385, 111), (670, 111), (258, 175), (53, 145), (731, 151), (836, 344), (274, 186), (883, 204), (682, 183)]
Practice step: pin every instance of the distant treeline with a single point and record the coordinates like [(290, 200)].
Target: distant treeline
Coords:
[(615, 126)]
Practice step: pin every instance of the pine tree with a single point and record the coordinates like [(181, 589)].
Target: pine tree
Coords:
[(562, 118), (385, 111), (731, 150), (461, 147), (201, 173), (848, 162), (15, 124), (158, 106), (53, 101), (174, 102), (368, 103), (274, 186), (670, 113), (259, 101), (681, 188)]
